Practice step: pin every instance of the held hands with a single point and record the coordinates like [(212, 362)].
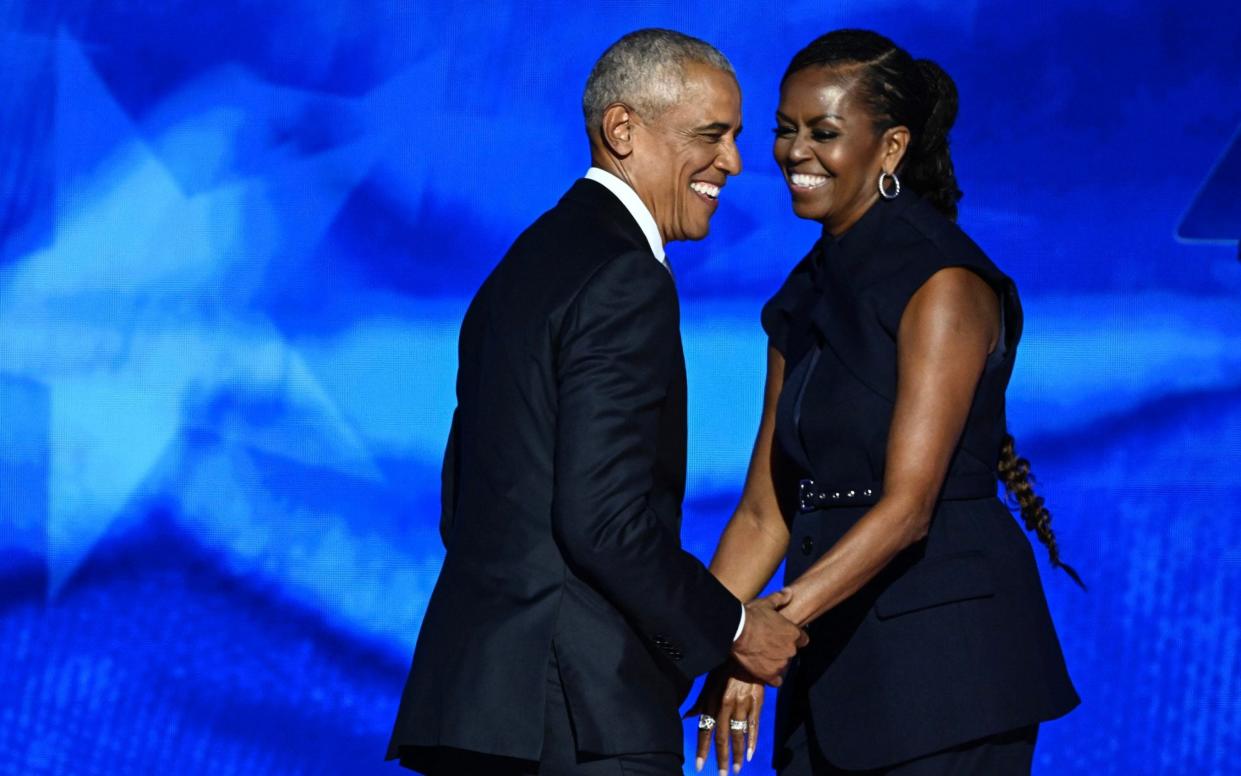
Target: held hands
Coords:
[(731, 700), (769, 640), (734, 704)]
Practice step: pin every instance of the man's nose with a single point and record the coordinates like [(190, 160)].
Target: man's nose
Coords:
[(729, 160)]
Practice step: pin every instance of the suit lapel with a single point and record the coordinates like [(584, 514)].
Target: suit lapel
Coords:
[(587, 196)]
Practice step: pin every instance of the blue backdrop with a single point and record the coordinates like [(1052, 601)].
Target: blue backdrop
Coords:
[(236, 241)]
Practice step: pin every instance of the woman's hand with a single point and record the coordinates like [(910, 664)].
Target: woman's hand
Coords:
[(727, 697)]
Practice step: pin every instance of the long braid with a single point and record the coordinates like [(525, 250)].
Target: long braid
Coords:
[(1014, 472)]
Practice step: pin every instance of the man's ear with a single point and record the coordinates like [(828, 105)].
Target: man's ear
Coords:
[(617, 130)]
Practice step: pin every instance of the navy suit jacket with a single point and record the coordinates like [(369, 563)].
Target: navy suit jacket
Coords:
[(563, 480)]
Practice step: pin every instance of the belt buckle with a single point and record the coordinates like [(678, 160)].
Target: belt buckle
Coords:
[(806, 495)]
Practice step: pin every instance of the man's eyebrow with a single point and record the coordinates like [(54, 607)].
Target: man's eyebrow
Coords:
[(715, 126)]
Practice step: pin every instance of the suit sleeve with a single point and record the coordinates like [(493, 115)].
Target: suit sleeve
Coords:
[(618, 347), (448, 484), (780, 310)]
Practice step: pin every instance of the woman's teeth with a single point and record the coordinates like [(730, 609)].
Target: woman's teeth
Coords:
[(803, 181)]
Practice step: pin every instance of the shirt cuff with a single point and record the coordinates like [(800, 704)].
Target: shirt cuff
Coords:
[(740, 625)]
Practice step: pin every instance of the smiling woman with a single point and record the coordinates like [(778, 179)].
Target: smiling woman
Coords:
[(844, 122), (883, 438), (827, 148)]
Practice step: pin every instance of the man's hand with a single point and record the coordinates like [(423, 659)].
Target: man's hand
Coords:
[(769, 641)]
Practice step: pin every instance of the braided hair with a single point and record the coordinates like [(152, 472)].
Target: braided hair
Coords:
[(898, 90), (1014, 472), (917, 94)]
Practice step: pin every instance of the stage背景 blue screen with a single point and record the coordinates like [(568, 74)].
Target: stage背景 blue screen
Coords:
[(237, 240)]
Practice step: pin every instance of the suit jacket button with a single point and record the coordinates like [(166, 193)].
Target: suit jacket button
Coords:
[(807, 546)]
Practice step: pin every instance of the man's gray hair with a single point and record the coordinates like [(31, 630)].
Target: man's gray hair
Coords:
[(646, 71)]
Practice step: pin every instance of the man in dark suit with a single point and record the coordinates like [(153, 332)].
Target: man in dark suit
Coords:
[(568, 622)]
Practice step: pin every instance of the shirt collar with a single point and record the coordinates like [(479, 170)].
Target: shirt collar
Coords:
[(629, 198), (856, 246), (866, 228)]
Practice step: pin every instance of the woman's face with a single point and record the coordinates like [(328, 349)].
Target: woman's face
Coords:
[(828, 150)]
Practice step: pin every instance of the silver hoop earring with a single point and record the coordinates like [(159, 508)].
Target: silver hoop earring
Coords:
[(896, 185)]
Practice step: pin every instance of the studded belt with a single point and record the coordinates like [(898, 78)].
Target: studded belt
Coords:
[(812, 495)]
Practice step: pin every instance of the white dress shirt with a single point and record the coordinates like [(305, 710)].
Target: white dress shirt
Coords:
[(633, 203)]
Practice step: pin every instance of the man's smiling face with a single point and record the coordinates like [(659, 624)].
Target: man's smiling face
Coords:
[(682, 157)]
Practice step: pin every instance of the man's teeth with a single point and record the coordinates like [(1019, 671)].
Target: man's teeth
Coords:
[(804, 181), (706, 189)]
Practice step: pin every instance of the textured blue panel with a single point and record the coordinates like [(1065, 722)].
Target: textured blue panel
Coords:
[(236, 242)]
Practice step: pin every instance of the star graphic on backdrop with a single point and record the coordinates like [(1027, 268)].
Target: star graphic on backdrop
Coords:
[(135, 317), (1212, 216)]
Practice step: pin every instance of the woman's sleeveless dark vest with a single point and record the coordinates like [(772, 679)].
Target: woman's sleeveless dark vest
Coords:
[(953, 641)]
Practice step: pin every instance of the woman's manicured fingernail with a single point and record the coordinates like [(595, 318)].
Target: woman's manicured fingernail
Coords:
[(698, 765)]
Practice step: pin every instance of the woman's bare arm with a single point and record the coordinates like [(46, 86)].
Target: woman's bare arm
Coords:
[(757, 536), (946, 332)]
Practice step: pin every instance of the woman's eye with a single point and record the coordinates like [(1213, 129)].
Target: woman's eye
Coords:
[(822, 135), (784, 131)]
